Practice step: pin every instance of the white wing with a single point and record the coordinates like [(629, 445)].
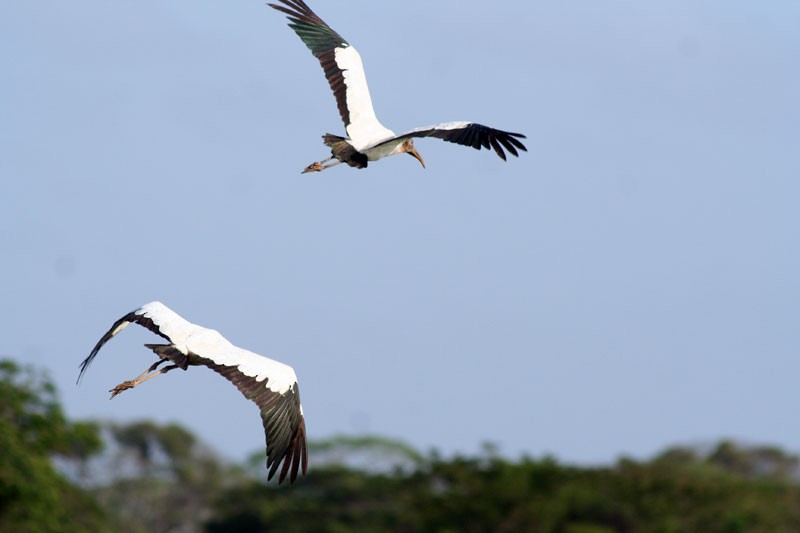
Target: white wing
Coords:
[(344, 71)]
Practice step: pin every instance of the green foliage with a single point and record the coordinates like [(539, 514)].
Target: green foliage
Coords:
[(346, 445), (164, 479), (33, 495), (331, 499), (150, 477), (146, 442), (757, 462), (680, 490)]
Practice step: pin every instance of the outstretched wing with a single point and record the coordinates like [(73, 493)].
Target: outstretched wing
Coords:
[(271, 384), (343, 69), (470, 134), (154, 316), (281, 414)]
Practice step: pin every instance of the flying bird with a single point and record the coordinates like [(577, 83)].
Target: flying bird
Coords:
[(270, 384), (368, 140)]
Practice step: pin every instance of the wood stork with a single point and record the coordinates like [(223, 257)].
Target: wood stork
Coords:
[(270, 384), (368, 139)]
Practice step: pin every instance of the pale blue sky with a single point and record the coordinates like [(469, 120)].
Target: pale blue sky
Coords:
[(629, 283)]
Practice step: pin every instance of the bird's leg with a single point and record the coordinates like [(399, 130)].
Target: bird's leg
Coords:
[(152, 367), (150, 373), (319, 166)]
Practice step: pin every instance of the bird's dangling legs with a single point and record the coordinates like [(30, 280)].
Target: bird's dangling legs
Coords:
[(319, 166), (150, 373)]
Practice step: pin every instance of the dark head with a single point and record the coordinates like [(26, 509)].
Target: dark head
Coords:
[(408, 147)]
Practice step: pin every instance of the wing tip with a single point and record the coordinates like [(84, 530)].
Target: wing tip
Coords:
[(293, 461), (118, 326)]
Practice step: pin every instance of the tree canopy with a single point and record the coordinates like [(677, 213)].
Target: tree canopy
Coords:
[(34, 496), (62, 475)]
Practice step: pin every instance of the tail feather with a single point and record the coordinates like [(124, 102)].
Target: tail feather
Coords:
[(344, 151), (168, 351)]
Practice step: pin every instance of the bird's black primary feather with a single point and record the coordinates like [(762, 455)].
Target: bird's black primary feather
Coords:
[(323, 41)]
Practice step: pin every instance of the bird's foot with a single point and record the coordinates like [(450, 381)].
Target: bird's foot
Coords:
[(125, 385), (314, 167)]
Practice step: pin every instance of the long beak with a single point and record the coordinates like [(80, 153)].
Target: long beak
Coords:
[(414, 152)]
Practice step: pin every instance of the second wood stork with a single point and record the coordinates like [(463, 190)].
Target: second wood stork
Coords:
[(368, 139), (270, 384)]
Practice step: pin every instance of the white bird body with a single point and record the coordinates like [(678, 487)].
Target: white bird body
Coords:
[(369, 140), (381, 149), (272, 385)]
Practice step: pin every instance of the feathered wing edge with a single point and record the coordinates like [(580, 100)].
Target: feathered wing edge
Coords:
[(119, 325), (470, 134), (284, 424), (323, 41)]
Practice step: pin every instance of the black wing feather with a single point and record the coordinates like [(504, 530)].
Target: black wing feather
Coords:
[(471, 134), (508, 146), (284, 425), (131, 318), (323, 41)]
